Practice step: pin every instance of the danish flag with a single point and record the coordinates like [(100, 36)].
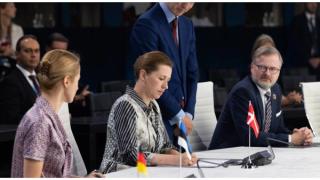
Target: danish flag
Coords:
[(252, 121)]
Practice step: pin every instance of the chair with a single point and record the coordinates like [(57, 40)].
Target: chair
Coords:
[(301, 71), (312, 105), (291, 83), (100, 103), (115, 86), (205, 119), (220, 97), (218, 76)]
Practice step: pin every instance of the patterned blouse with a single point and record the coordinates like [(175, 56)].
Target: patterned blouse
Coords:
[(133, 124), (40, 136)]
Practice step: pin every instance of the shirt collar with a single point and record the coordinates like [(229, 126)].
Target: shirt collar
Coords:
[(25, 72), (263, 91), (132, 93), (169, 15), (309, 15)]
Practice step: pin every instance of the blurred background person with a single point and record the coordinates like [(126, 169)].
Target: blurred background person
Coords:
[(305, 39), (20, 88), (9, 31), (59, 41)]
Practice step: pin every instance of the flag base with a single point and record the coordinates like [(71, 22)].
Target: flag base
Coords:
[(249, 165)]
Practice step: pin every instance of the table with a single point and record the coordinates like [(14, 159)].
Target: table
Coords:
[(289, 162), (7, 132)]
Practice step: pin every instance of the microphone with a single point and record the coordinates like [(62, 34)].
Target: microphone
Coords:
[(262, 157)]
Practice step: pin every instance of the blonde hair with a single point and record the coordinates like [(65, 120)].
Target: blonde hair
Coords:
[(262, 40), (55, 66), (265, 51)]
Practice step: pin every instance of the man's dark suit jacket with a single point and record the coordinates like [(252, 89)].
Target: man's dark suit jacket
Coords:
[(232, 129), (16, 97), (300, 41), (153, 32)]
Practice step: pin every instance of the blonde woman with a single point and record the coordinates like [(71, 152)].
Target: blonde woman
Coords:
[(41, 147)]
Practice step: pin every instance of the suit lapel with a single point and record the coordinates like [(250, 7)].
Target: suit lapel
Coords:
[(25, 84), (166, 32), (259, 105), (183, 46), (260, 109)]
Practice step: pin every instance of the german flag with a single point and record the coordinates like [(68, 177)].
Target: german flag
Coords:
[(141, 164)]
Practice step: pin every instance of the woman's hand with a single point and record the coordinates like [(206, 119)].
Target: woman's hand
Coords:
[(95, 174)]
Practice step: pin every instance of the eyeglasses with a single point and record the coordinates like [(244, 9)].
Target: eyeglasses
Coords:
[(272, 70)]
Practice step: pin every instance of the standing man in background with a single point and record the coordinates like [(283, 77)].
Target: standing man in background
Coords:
[(304, 42), (164, 28)]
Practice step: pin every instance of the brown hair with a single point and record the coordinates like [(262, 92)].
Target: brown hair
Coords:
[(262, 40), (150, 62), (55, 65)]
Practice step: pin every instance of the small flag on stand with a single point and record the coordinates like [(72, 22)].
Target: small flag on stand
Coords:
[(252, 121), (141, 164), (183, 140)]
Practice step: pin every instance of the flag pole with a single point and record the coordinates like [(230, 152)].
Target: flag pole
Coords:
[(180, 163), (180, 156), (249, 144)]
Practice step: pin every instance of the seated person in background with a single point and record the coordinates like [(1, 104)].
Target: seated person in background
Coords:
[(292, 97), (19, 90), (59, 41), (135, 119), (265, 95), (41, 147)]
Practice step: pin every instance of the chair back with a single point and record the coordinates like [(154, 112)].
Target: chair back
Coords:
[(205, 119)]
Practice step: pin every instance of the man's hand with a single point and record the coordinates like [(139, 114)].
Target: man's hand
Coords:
[(187, 122), (308, 136), (314, 62), (298, 136), (302, 136)]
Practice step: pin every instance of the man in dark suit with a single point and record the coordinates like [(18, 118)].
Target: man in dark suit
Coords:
[(163, 28), (304, 41), (265, 95), (19, 89)]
